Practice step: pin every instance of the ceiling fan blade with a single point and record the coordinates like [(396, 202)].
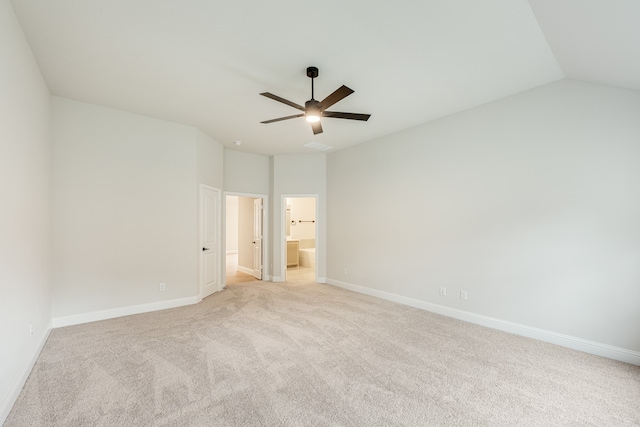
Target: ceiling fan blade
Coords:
[(350, 116), (283, 118), (339, 94), (317, 127), (284, 101)]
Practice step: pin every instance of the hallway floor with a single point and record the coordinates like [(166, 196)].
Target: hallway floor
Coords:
[(233, 275), (294, 274)]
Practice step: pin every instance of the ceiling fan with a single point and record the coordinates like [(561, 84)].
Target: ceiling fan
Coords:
[(314, 109)]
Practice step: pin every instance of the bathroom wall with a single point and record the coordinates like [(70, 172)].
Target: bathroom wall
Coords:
[(302, 208)]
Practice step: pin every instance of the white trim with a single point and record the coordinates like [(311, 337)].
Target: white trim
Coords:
[(265, 230), (592, 347), (231, 251), (77, 319), (277, 279), (246, 270), (14, 392), (321, 280), (201, 243)]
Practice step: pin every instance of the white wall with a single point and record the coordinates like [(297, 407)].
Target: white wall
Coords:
[(246, 173), (209, 160), (530, 203), (245, 232), (232, 224), (298, 175), (124, 209), (25, 244)]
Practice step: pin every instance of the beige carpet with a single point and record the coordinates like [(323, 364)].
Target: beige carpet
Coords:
[(264, 354)]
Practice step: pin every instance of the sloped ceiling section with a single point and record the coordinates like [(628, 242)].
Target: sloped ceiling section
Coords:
[(594, 40), (204, 63)]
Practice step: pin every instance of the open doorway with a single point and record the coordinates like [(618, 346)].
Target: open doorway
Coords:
[(244, 238), (300, 231)]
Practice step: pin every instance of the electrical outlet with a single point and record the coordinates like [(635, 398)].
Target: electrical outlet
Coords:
[(30, 329), (443, 291), (346, 272), (463, 295), (163, 286)]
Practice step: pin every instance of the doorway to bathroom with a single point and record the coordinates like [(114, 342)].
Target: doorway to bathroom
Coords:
[(244, 238), (300, 229)]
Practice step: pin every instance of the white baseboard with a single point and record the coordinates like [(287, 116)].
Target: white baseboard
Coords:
[(278, 279), (22, 379), (245, 270), (592, 347), (77, 319)]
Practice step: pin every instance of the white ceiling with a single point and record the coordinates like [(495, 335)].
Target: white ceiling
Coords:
[(594, 40), (204, 63)]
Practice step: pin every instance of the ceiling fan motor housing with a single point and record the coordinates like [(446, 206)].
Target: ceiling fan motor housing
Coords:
[(312, 106), (312, 72)]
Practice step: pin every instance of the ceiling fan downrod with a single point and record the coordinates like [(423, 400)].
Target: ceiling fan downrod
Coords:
[(312, 72)]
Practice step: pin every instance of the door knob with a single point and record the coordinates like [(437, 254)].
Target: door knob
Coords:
[(205, 249)]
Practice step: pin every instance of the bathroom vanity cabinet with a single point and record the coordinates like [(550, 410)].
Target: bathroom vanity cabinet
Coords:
[(293, 247)]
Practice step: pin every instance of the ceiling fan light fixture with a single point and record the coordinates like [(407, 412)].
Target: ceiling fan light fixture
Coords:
[(313, 109)]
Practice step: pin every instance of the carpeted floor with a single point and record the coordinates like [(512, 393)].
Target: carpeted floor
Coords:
[(265, 354)]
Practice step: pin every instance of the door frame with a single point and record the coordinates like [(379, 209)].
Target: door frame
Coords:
[(283, 234), (266, 272), (201, 189), (260, 273)]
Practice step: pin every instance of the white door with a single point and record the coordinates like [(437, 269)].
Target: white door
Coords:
[(210, 232), (257, 238)]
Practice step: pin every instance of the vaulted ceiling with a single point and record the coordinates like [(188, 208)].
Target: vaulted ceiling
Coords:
[(204, 63)]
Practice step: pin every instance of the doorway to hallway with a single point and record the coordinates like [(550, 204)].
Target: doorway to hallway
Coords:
[(245, 248)]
